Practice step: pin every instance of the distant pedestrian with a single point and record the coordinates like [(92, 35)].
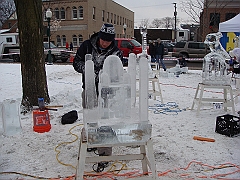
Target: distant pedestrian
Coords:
[(182, 61), (152, 51), (160, 53), (71, 46), (67, 45)]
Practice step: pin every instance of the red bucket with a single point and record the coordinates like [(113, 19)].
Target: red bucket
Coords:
[(41, 121)]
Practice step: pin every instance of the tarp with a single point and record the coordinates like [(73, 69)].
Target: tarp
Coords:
[(232, 25)]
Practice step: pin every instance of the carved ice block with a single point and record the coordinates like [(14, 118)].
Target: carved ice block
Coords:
[(117, 120)]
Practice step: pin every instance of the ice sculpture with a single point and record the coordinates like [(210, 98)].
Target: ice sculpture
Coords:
[(214, 66), (143, 32), (114, 119), (176, 70)]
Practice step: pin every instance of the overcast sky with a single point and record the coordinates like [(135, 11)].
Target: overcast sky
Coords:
[(151, 9)]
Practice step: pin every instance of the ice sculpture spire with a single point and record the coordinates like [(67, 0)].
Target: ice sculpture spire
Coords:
[(143, 31)]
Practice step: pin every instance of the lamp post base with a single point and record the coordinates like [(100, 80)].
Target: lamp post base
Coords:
[(49, 58)]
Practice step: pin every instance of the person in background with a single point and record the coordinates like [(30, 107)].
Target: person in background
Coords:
[(234, 65), (100, 45), (152, 51), (71, 46), (160, 53), (67, 45), (182, 61)]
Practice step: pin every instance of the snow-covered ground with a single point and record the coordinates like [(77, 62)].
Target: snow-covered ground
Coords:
[(30, 155)]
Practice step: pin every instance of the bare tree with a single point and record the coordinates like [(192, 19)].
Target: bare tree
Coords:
[(144, 23), (157, 23), (7, 8), (193, 9), (34, 82), (168, 22)]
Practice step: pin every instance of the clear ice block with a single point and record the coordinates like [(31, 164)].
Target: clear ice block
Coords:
[(11, 117)]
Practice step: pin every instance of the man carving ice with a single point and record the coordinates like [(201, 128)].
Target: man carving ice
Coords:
[(100, 46)]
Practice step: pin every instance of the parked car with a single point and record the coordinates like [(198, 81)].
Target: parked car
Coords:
[(56, 53), (128, 46), (169, 46), (190, 49)]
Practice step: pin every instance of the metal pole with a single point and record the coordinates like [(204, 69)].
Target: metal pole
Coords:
[(49, 51), (175, 23), (124, 32)]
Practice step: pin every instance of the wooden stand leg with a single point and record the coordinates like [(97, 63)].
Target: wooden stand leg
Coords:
[(154, 89), (151, 158), (144, 161), (225, 98), (200, 98), (81, 156), (232, 101), (195, 97), (160, 92)]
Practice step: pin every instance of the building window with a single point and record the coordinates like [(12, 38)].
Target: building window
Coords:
[(63, 40), (230, 16), (80, 39), (58, 40), (74, 40), (120, 21), (56, 13), (214, 19), (62, 13), (94, 11), (107, 16), (117, 20), (80, 8), (103, 12), (74, 11), (111, 17), (114, 19), (9, 39)]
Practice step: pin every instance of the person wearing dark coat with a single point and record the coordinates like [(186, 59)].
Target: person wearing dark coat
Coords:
[(160, 53), (100, 46), (182, 61), (152, 51), (71, 46)]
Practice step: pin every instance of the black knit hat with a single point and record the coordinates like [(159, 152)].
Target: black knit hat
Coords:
[(107, 32)]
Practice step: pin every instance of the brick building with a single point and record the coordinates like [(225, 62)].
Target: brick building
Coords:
[(215, 12), (79, 19)]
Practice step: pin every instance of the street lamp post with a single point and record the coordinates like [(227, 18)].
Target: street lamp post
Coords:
[(49, 16), (175, 22), (124, 29)]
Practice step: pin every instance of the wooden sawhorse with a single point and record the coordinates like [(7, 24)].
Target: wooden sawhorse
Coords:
[(146, 157), (199, 101), (154, 91)]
